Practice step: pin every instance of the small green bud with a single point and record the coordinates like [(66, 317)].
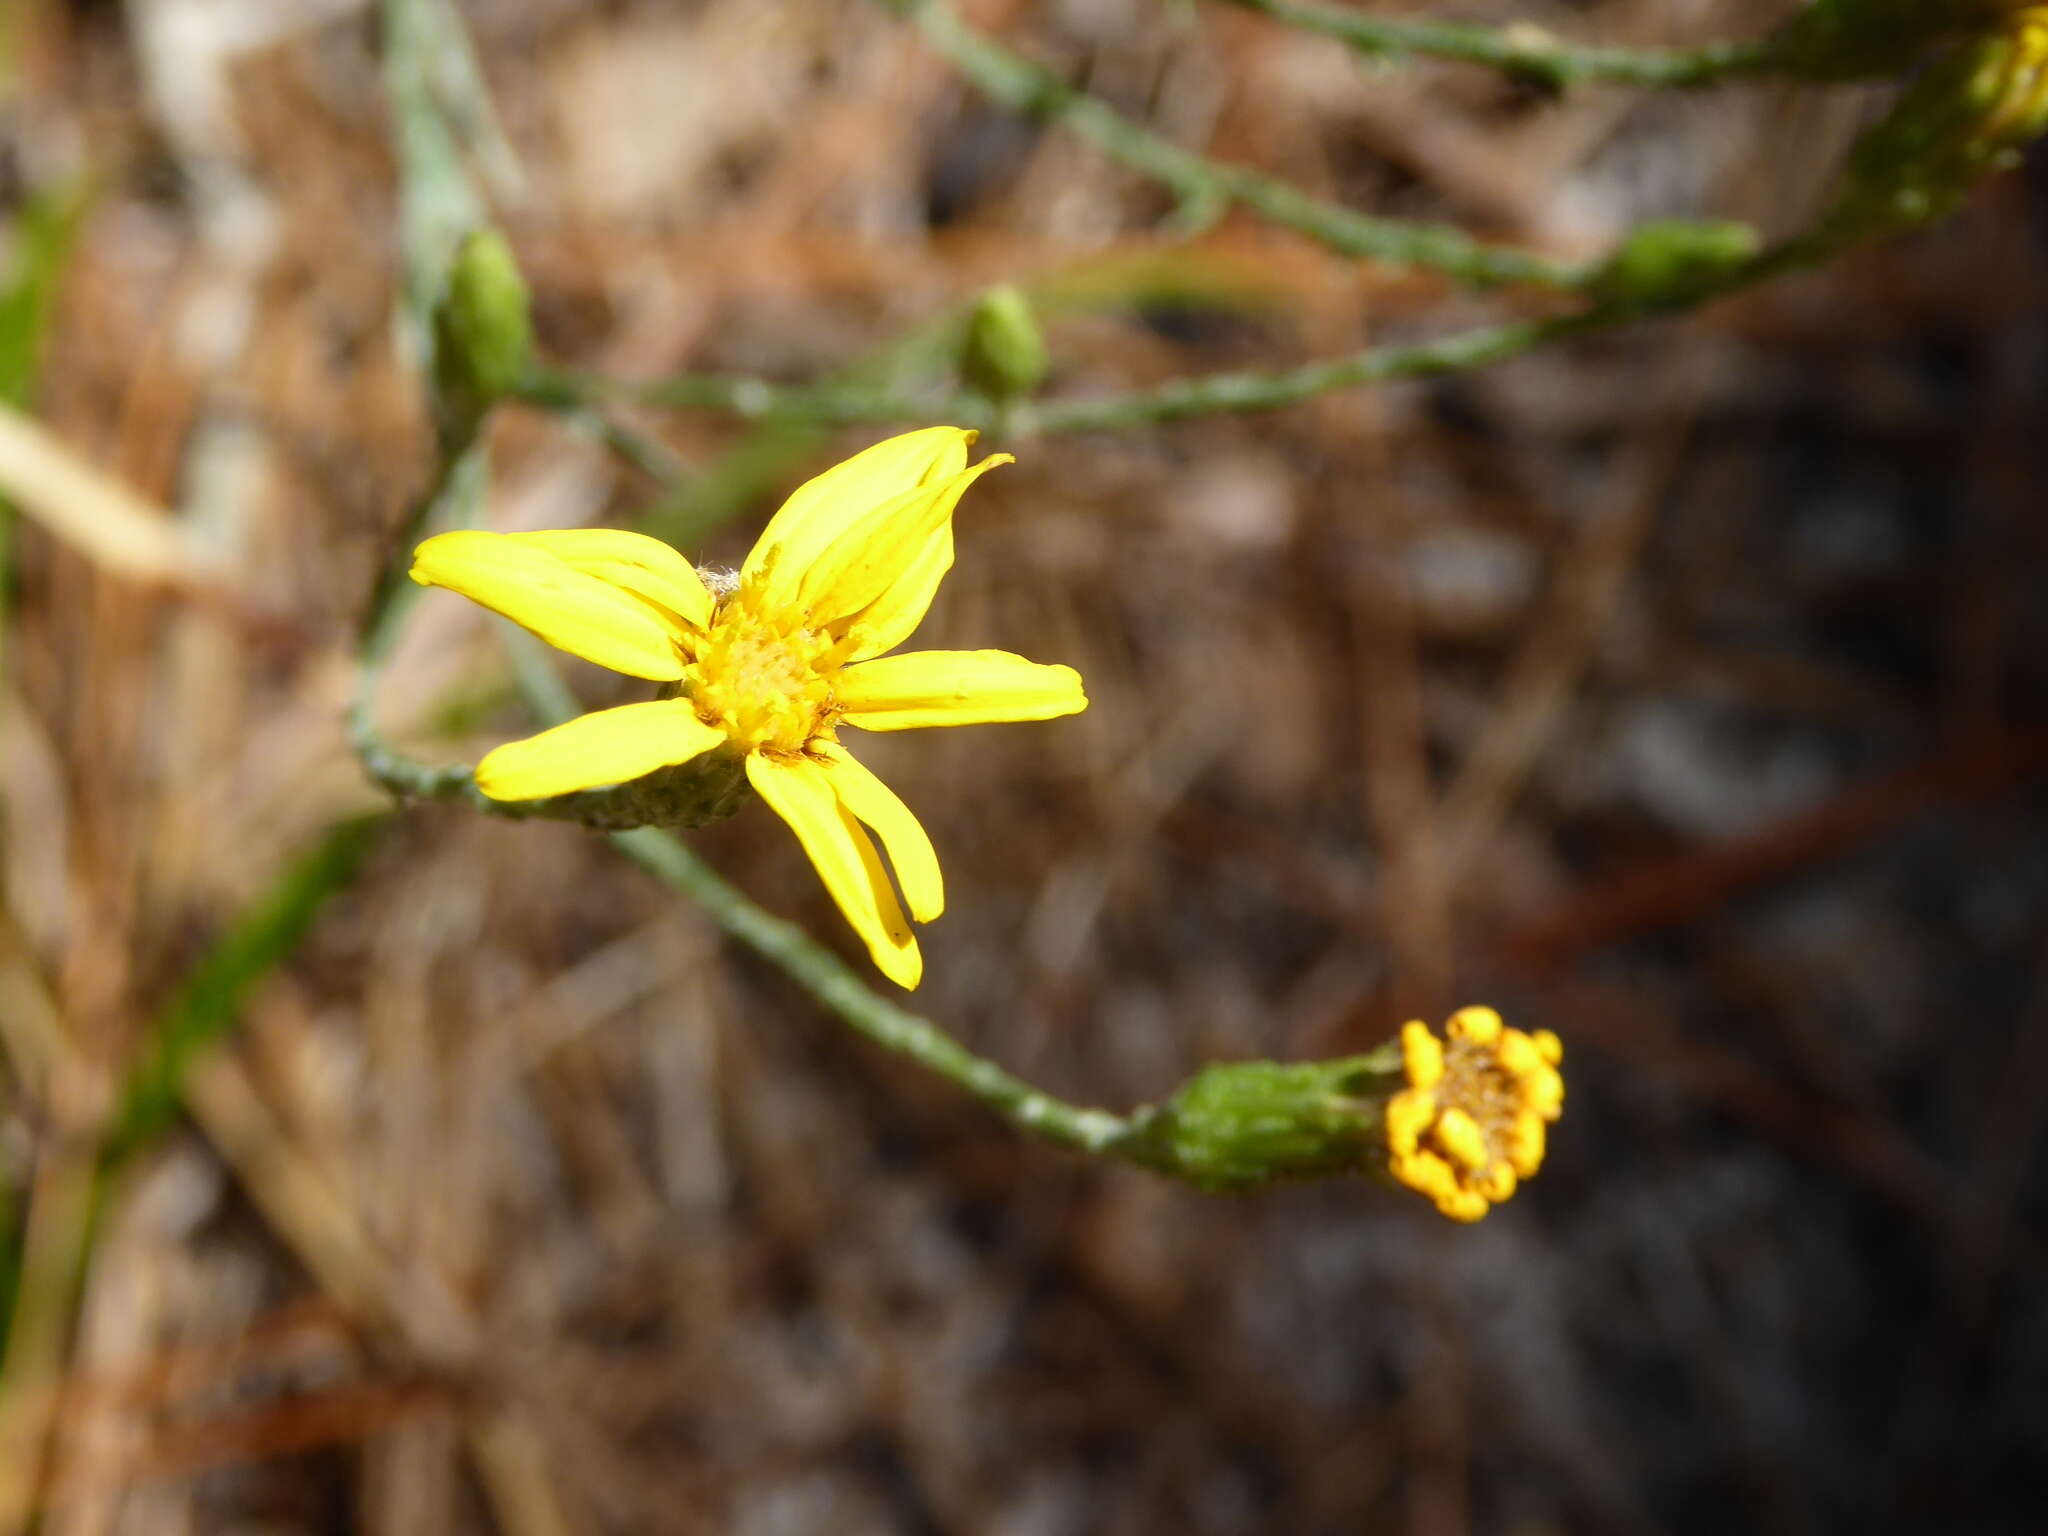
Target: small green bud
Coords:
[(1244, 1123), (1674, 262), (1004, 356), (483, 327)]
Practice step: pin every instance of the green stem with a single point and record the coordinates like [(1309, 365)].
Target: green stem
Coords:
[(835, 985), (457, 487), (455, 76), (1475, 348), (437, 202), (210, 998), (1205, 187), (1266, 391), (1179, 398), (648, 455), (750, 399), (815, 968), (1526, 52), (563, 391)]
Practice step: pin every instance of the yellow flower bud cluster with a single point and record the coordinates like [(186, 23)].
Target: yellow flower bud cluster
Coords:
[(1473, 1120)]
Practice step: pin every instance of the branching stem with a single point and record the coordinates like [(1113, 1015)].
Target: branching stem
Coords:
[(1206, 188), (1525, 52)]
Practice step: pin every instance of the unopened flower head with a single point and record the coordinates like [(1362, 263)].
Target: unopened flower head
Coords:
[(770, 663), (1472, 1121)]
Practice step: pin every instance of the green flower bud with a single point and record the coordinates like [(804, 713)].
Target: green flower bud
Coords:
[(1004, 356), (483, 328), (1674, 262), (1243, 1123)]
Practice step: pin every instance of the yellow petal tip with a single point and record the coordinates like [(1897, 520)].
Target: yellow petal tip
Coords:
[(904, 966)]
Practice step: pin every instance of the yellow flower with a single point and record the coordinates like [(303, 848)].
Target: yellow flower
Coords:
[(770, 662), (1472, 1122)]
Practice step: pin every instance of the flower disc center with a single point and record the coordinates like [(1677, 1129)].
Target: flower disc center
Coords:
[(1471, 1123), (765, 683)]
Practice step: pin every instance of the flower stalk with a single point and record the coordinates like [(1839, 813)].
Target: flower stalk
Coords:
[(1523, 52)]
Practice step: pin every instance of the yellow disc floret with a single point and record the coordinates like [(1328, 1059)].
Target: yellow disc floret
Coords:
[(761, 677), (1470, 1125)]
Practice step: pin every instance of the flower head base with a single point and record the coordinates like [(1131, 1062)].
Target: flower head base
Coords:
[(1471, 1124), (770, 663)]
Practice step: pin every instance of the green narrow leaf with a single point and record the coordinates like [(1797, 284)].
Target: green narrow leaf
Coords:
[(45, 231), (46, 228), (204, 1007), (210, 999), (10, 1261)]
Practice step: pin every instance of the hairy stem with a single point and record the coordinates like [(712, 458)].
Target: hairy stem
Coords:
[(1205, 188), (838, 988), (1526, 52)]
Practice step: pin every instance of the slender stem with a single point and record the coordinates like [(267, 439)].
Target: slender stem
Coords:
[(1205, 394), (1205, 187), (438, 205), (1217, 392), (748, 398), (1527, 52), (456, 489), (1266, 391), (437, 202), (815, 968), (644, 453), (835, 985), (455, 76)]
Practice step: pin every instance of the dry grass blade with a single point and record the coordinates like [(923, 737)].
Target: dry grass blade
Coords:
[(89, 510)]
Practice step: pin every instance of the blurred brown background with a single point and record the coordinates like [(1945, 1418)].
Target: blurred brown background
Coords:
[(1685, 692)]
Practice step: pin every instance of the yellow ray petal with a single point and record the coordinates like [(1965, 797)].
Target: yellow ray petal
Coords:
[(570, 610), (928, 688), (645, 567), (610, 746), (891, 618), (860, 566), (799, 791), (822, 508), (910, 849)]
